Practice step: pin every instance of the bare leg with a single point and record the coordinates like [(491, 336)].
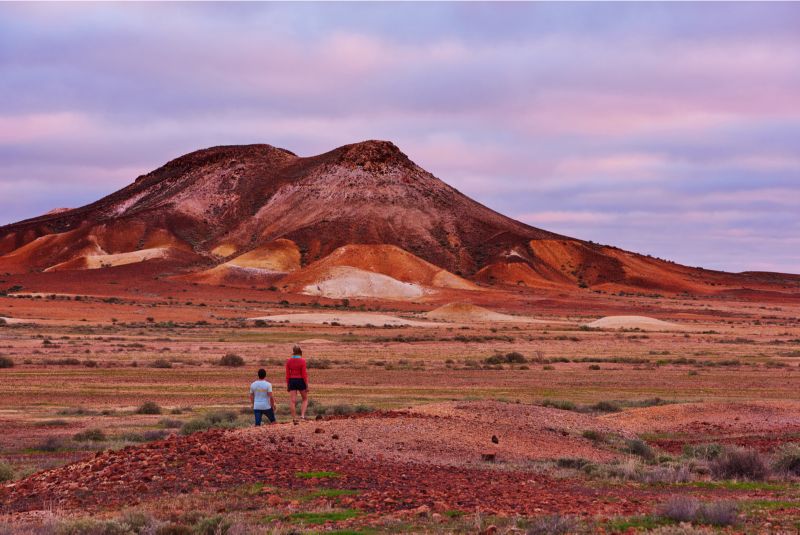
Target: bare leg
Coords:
[(304, 393), (293, 395)]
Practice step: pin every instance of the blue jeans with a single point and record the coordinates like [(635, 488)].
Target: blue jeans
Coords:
[(260, 412)]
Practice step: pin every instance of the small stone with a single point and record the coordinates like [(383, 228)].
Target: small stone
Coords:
[(495, 440), (335, 436), (274, 500), (318, 430)]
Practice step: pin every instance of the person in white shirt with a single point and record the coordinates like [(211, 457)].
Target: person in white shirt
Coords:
[(262, 399)]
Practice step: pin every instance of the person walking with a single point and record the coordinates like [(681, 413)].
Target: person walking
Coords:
[(297, 381), (262, 399)]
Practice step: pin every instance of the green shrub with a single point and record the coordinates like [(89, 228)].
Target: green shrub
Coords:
[(606, 406), (6, 472), (559, 404), (90, 435), (320, 364), (787, 459), (231, 360), (706, 452), (214, 525), (641, 448), (149, 407)]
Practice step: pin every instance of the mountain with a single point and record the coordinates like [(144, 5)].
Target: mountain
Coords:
[(362, 219)]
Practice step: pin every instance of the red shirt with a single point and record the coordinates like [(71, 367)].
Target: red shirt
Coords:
[(296, 369)]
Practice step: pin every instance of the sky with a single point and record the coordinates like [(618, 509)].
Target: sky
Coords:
[(670, 129)]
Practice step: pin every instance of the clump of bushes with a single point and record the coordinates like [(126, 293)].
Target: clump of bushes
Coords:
[(688, 509), (149, 407), (231, 360), (509, 358), (739, 463), (90, 435), (6, 362), (161, 363), (223, 419)]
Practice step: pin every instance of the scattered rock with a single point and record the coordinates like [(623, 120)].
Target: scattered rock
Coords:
[(495, 440), (318, 431)]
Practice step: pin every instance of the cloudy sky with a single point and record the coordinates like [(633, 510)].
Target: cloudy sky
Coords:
[(667, 129)]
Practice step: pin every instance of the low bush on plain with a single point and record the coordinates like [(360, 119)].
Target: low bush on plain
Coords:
[(787, 459), (161, 363), (509, 358), (740, 463), (90, 435), (552, 525), (6, 362), (231, 360), (217, 419), (52, 443), (149, 407), (705, 452), (688, 509), (559, 404), (641, 448)]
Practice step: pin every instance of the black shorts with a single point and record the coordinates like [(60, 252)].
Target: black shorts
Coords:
[(297, 384)]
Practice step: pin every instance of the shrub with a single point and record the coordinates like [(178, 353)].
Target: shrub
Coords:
[(606, 406), (215, 525), (172, 423), (90, 526), (6, 472), (149, 407), (641, 448), (719, 513), (52, 443), (210, 420), (594, 435), (680, 509), (320, 364), (6, 362), (161, 363), (559, 404), (90, 435), (787, 459), (552, 525), (706, 452), (594, 366), (231, 360), (739, 463), (509, 358)]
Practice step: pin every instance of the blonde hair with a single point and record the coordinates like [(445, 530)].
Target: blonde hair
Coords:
[(296, 350)]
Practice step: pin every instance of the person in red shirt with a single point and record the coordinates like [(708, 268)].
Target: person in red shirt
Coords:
[(297, 381)]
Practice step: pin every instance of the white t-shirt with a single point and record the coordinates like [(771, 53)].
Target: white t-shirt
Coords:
[(261, 390)]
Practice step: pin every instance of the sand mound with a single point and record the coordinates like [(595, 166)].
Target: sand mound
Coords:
[(266, 262), (345, 318), (353, 282), (465, 312), (634, 322), (382, 271), (318, 341)]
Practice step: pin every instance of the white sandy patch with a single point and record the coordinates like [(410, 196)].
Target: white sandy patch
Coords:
[(348, 318), (463, 312), (346, 281), (119, 259), (15, 321), (318, 341), (644, 323)]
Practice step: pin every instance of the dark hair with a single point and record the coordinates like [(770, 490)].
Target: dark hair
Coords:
[(297, 351), (262, 373)]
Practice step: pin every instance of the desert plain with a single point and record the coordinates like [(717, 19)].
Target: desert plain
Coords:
[(501, 411)]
